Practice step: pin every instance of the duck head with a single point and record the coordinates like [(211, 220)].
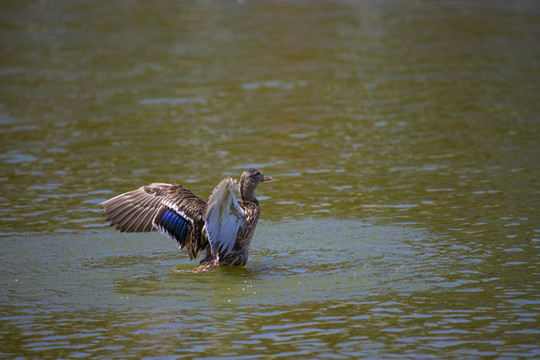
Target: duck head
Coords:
[(248, 182)]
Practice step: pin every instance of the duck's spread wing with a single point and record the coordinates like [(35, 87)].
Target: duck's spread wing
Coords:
[(223, 217), (169, 208), (134, 211)]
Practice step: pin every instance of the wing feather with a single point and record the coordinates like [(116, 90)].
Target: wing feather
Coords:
[(147, 209), (144, 218), (132, 210), (223, 217)]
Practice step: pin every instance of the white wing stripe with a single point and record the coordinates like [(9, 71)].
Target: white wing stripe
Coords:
[(175, 207)]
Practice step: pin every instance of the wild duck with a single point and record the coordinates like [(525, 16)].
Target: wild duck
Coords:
[(222, 226)]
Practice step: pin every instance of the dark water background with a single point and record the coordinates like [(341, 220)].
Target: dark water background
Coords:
[(402, 136)]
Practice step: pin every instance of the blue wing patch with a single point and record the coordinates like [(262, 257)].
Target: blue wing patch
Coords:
[(174, 225)]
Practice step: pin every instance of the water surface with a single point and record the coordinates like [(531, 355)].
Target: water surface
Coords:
[(402, 137)]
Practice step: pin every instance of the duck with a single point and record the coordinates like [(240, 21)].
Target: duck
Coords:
[(222, 226)]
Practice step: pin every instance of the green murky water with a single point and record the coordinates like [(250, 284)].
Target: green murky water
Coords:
[(403, 139)]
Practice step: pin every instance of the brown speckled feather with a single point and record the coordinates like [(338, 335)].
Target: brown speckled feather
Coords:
[(136, 211), (239, 253)]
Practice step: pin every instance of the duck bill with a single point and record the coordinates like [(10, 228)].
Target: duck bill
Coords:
[(267, 178)]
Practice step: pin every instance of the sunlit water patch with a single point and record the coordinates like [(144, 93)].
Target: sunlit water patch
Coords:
[(316, 259)]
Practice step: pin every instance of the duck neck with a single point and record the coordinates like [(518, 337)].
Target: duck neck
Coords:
[(248, 194)]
